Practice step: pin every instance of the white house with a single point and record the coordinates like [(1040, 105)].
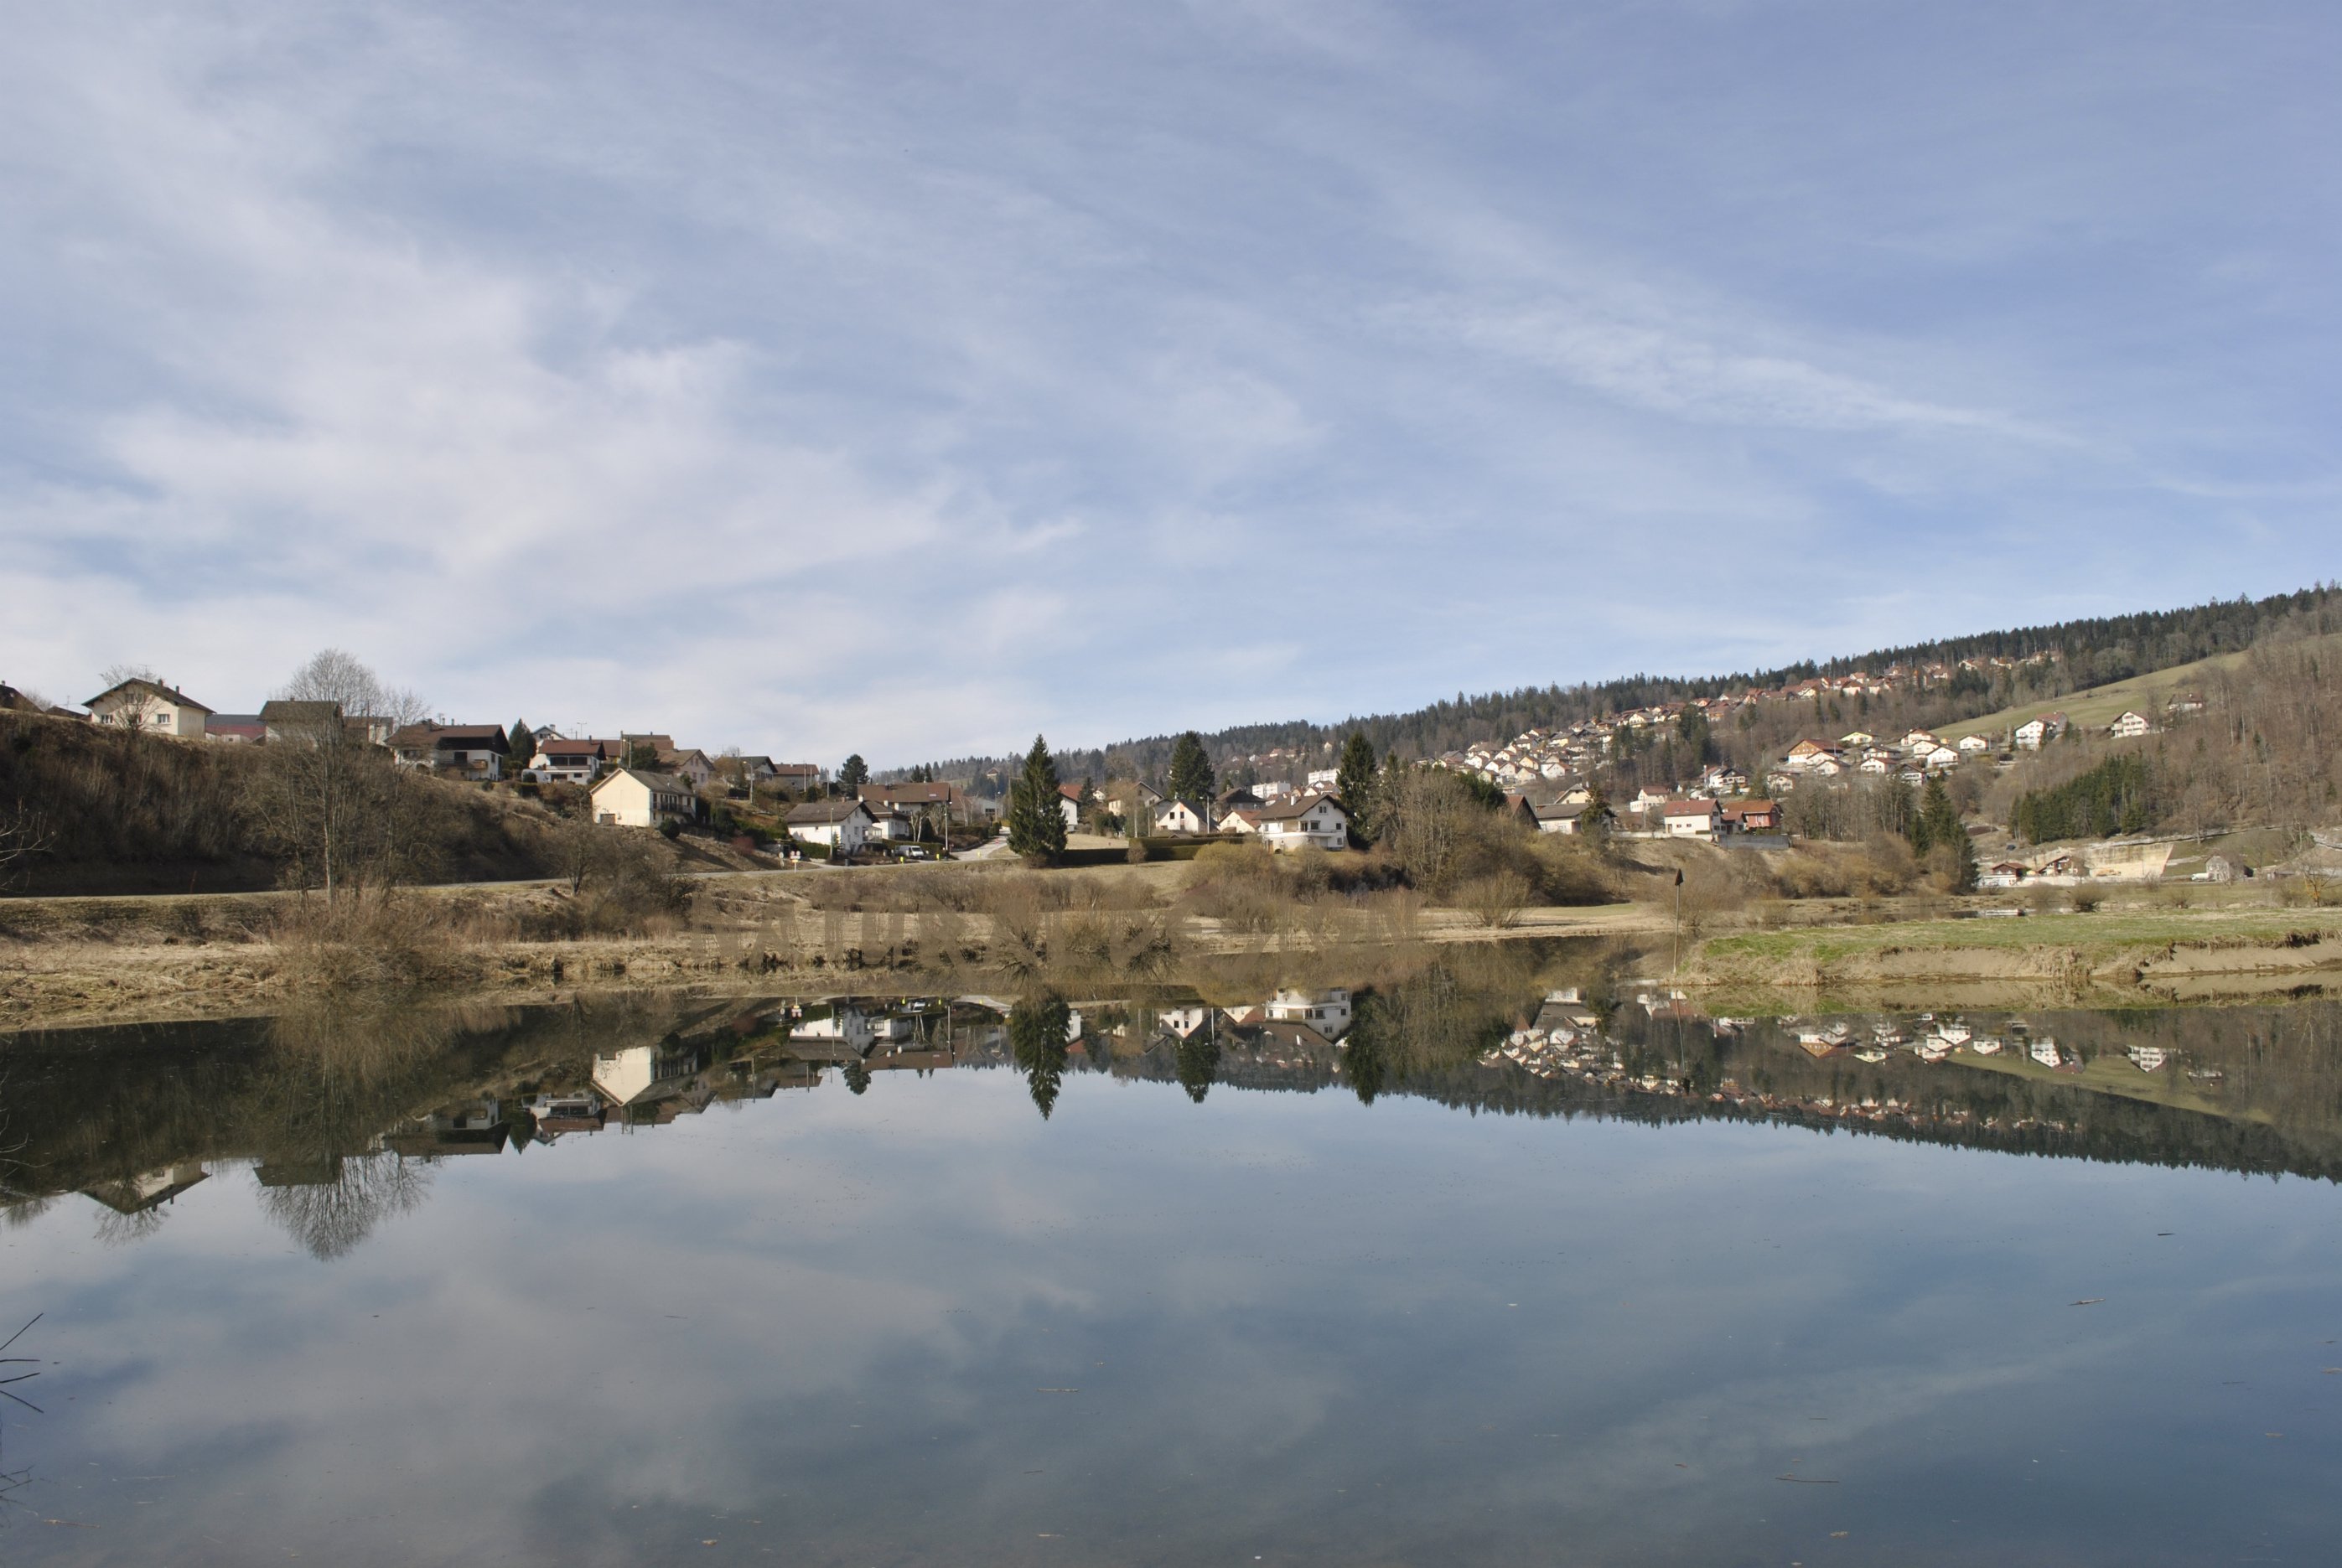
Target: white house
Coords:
[(1306, 822), (1935, 759), (564, 761), (1241, 819), (2130, 726), (1560, 817), (1069, 801), (842, 825), (1692, 819), (694, 765), (1184, 816), (1971, 744), (629, 797), (1326, 1012), (150, 707), (2033, 732)]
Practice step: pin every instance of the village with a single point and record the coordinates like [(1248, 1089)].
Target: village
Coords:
[(1553, 780)]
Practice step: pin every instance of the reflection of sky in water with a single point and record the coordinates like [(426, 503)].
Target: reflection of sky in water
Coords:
[(1302, 1329)]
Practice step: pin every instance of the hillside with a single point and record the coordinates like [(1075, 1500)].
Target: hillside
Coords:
[(2095, 707), (1956, 683)]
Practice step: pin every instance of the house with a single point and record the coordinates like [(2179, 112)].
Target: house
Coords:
[(1070, 801), (1857, 738), (2184, 702), (890, 826), (1186, 817), (1242, 819), (1134, 801), (1306, 822), (799, 778), (840, 824), (630, 797), (2130, 726), (941, 803), (1754, 816), (1516, 808), (1562, 816), (1647, 800), (1326, 1012), (237, 729), (1804, 755), (1920, 740), (1724, 782), (1691, 819), (1935, 759), (1971, 744), (747, 770), (282, 719), (150, 707), (2032, 733), (561, 761), (694, 765), (472, 751)]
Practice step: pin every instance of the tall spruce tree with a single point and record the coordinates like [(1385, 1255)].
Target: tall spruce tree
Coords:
[(854, 774), (1190, 778), (520, 746), (1353, 777), (1037, 821)]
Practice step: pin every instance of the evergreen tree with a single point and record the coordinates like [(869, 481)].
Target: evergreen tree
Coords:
[(521, 745), (854, 774), (1354, 779), (1037, 1037), (1938, 828), (1197, 1061), (1037, 821), (1692, 728), (1596, 820), (1190, 777)]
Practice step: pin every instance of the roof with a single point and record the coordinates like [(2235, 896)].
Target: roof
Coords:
[(482, 737), (897, 794), (1071, 792), (658, 783), (286, 711), (815, 811), (1556, 812), (151, 688), (1688, 808), (1299, 806)]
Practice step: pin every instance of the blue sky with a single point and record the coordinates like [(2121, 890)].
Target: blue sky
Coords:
[(910, 377)]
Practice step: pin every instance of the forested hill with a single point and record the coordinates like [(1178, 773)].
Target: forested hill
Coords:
[(2026, 664)]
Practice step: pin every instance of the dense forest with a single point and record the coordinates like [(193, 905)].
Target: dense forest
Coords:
[(2072, 655)]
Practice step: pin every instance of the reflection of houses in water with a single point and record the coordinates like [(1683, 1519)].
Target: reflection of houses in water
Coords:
[(854, 1027), (650, 1083), (147, 1190), (311, 1171), (1182, 1022), (472, 1127), (569, 1110), (2148, 1058), (1325, 1013), (2044, 1051)]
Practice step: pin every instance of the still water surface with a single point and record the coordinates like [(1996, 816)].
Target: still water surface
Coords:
[(1582, 1280)]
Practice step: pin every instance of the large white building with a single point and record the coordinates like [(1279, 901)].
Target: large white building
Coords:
[(842, 825)]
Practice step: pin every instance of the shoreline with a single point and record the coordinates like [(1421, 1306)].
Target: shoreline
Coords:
[(129, 967)]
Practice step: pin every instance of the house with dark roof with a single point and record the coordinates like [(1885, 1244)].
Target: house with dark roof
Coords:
[(469, 750), (1306, 822), (842, 824), (149, 707), (633, 798)]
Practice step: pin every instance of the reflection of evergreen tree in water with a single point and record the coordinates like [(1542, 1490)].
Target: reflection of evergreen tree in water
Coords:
[(1036, 1034), (1367, 1057), (857, 1076), (1198, 1063)]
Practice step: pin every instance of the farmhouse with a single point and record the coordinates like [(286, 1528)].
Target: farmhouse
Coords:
[(1184, 817), (1691, 819)]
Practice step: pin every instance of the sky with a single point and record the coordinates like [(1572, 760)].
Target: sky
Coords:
[(906, 378)]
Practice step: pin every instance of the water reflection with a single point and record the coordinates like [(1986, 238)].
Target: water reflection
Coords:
[(841, 1329), (341, 1118)]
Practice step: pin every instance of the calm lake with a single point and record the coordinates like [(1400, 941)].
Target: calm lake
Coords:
[(1461, 1266)]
